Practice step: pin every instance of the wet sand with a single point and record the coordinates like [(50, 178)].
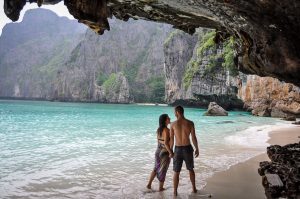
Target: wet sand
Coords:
[(242, 180)]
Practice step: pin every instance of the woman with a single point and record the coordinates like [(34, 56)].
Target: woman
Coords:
[(163, 151)]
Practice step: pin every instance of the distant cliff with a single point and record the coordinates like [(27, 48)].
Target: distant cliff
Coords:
[(31, 55), (199, 71), (55, 61)]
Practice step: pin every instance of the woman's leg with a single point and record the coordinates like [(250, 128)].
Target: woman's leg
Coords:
[(161, 185), (152, 176)]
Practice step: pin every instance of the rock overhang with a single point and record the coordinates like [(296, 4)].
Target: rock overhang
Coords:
[(266, 31)]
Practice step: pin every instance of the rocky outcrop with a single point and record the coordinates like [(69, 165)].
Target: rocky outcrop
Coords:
[(215, 110), (296, 123), (285, 162), (118, 92), (266, 32), (267, 96), (75, 64)]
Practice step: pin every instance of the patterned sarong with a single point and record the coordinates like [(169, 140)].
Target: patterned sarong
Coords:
[(162, 161)]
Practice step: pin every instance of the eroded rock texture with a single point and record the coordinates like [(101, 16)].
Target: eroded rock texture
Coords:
[(285, 162), (267, 96), (267, 31), (178, 50)]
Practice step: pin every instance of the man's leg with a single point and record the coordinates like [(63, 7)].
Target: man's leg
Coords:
[(189, 161), (177, 164), (176, 182), (192, 178)]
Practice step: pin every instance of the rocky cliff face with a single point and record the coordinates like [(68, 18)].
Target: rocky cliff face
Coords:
[(194, 73), (77, 65), (178, 50), (266, 32), (136, 55), (267, 96)]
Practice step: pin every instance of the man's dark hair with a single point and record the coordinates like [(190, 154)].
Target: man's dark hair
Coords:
[(179, 109)]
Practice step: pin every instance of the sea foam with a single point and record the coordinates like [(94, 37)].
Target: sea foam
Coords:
[(254, 137)]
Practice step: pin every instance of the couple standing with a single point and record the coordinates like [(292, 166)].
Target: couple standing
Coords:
[(181, 129)]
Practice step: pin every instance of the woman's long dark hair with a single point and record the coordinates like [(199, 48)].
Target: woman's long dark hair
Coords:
[(162, 123)]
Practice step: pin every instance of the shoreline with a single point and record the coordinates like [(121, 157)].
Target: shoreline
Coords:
[(51, 100), (242, 180), (74, 101)]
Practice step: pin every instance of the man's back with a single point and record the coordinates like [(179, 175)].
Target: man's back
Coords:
[(182, 129)]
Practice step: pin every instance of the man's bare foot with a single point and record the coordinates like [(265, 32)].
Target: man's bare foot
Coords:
[(194, 190), (175, 193), (148, 186), (161, 189)]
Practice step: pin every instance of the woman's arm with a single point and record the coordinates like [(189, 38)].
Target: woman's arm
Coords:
[(167, 142)]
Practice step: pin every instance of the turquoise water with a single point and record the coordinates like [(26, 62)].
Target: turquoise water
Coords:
[(79, 150)]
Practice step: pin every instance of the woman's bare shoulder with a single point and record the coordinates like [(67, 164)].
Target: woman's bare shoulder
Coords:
[(166, 129)]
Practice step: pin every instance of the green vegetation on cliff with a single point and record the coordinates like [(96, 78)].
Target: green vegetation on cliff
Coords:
[(228, 56), (101, 78), (156, 89), (154, 92), (171, 36), (206, 43), (192, 68), (208, 49), (111, 84)]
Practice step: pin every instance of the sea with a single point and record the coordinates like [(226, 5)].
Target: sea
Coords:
[(91, 150)]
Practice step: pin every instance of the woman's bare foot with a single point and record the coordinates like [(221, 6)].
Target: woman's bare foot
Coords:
[(148, 186), (161, 189), (194, 190)]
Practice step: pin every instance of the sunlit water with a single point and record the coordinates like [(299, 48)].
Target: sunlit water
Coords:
[(78, 150)]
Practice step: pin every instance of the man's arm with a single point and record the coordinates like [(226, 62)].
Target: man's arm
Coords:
[(194, 140), (171, 137)]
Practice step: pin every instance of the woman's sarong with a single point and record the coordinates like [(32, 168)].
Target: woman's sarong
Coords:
[(162, 161)]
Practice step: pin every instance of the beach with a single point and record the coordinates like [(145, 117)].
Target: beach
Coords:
[(242, 180)]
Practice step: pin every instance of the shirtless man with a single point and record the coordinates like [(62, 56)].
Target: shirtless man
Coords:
[(182, 129)]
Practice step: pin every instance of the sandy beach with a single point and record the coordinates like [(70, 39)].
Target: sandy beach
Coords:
[(242, 180)]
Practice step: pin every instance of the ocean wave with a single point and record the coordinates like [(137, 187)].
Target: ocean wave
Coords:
[(255, 136)]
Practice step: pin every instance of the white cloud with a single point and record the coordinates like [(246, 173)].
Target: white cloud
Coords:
[(60, 9)]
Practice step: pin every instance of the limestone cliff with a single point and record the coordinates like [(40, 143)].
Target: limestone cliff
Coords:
[(137, 55), (32, 53), (267, 96), (195, 74), (59, 59), (178, 50)]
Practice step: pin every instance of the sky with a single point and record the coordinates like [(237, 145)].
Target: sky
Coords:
[(60, 9)]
